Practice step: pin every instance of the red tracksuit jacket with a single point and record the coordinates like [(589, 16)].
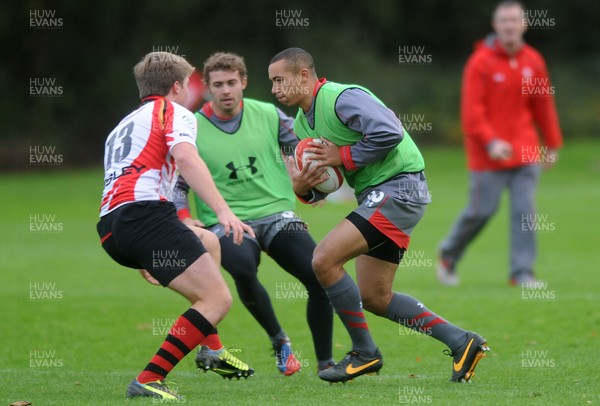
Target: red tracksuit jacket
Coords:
[(504, 97)]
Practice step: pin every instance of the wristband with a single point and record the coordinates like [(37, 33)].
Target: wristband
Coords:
[(184, 214)]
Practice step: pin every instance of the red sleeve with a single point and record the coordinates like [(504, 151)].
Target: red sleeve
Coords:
[(346, 156), (474, 116), (544, 111)]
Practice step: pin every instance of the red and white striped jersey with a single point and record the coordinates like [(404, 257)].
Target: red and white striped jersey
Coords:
[(138, 165)]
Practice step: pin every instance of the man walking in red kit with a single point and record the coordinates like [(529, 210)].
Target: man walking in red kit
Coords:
[(506, 93)]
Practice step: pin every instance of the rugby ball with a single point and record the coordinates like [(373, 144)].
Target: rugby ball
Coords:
[(335, 178)]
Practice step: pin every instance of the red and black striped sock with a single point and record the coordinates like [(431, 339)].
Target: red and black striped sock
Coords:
[(186, 334), (212, 340)]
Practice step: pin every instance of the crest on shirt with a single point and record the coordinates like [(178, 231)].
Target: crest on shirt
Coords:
[(498, 77), (189, 121), (527, 72)]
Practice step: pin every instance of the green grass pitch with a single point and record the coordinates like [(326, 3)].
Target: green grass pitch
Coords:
[(76, 327)]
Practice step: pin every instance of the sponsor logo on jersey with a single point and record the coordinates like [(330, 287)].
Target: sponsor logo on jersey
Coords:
[(111, 177), (234, 170)]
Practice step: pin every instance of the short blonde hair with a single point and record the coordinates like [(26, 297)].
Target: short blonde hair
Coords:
[(224, 61), (156, 73)]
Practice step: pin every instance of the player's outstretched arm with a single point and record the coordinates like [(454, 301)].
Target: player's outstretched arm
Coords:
[(196, 174)]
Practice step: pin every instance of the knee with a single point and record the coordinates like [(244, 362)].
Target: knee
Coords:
[(481, 213), (227, 300), (321, 263), (375, 301), (245, 277), (320, 268), (218, 293), (370, 303), (376, 307), (326, 267), (211, 243), (220, 298), (244, 274), (241, 265)]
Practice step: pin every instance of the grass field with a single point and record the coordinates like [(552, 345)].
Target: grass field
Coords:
[(76, 327)]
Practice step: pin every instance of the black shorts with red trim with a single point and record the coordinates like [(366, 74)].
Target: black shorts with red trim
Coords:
[(149, 235), (388, 212)]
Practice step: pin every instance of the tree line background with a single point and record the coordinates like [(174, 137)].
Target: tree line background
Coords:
[(86, 52)]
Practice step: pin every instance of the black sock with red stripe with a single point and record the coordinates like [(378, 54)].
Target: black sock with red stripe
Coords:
[(345, 298), (186, 334), (412, 314)]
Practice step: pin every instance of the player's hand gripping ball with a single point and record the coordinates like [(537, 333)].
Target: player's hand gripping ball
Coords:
[(335, 178)]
